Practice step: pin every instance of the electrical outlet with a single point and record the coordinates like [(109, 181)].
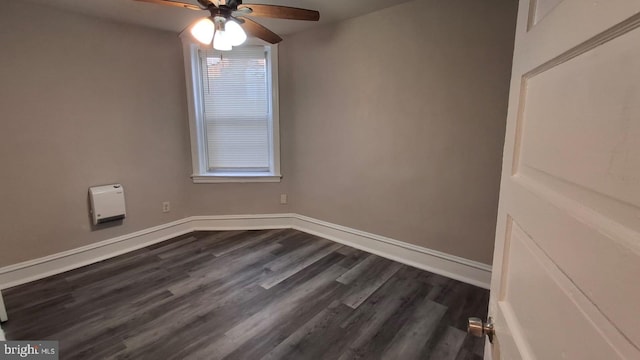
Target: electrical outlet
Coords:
[(283, 199), (166, 207)]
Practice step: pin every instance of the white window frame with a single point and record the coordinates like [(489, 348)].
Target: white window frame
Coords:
[(201, 174)]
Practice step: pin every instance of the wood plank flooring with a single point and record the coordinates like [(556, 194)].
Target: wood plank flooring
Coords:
[(272, 294)]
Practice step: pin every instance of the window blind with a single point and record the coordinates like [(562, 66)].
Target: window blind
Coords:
[(236, 101)]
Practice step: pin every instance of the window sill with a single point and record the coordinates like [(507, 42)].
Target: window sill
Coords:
[(213, 179)]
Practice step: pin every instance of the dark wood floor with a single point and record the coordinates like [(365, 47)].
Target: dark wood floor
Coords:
[(273, 294)]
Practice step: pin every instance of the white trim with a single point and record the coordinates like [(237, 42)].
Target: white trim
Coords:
[(241, 222), (35, 269), (193, 101), (454, 267), (212, 179), (3, 311), (272, 49), (451, 266), (201, 174), (2, 338)]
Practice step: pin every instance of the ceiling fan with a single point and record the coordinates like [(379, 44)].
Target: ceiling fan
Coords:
[(229, 22)]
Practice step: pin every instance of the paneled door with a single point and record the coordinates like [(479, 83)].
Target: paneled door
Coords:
[(566, 280)]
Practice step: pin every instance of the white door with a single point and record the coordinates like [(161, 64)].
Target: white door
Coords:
[(566, 281)]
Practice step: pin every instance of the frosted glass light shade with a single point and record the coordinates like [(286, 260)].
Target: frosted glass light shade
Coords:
[(203, 31), (221, 41), (234, 33)]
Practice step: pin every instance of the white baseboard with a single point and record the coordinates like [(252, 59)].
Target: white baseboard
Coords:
[(3, 310), (241, 222), (3, 317), (437, 262), (32, 270), (451, 266)]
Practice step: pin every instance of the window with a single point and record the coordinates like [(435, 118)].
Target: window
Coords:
[(233, 113)]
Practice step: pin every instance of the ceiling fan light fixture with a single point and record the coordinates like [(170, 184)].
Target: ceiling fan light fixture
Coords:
[(235, 34), (235, 11), (221, 41), (203, 31)]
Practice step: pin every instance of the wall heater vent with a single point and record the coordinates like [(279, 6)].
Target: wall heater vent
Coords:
[(107, 203)]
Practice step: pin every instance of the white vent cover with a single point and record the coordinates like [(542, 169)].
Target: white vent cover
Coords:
[(107, 203)]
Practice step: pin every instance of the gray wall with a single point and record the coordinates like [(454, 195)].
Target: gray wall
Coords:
[(400, 137), (85, 102), (397, 121)]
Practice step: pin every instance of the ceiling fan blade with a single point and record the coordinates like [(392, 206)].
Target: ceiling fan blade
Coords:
[(205, 3), (281, 12), (259, 31), (172, 3)]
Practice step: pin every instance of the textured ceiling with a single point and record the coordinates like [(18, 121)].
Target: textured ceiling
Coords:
[(176, 19)]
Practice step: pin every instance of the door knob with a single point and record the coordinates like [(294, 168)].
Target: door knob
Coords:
[(477, 328)]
